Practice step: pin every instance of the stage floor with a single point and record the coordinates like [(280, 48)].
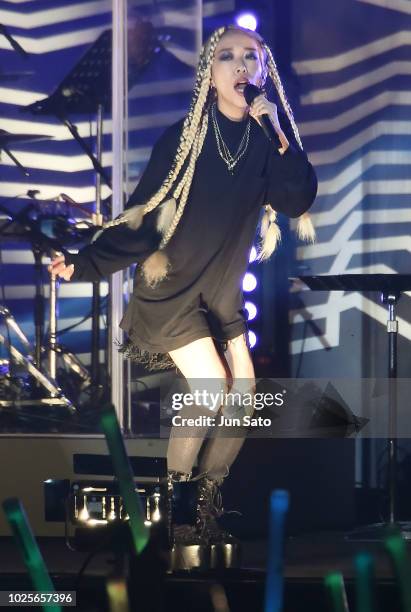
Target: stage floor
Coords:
[(308, 558), (309, 555)]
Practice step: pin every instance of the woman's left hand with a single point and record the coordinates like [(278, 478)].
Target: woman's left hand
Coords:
[(262, 106)]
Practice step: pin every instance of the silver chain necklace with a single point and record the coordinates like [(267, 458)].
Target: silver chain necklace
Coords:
[(223, 150)]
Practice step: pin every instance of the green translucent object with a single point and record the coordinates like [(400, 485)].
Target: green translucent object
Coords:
[(365, 583), (334, 585), (27, 544), (117, 595), (124, 475), (396, 548)]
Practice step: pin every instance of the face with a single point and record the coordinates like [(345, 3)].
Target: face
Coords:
[(237, 59)]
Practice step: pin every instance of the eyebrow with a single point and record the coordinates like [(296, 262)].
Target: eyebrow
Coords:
[(245, 48)]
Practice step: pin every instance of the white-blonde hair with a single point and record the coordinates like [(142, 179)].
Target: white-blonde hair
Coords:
[(156, 266)]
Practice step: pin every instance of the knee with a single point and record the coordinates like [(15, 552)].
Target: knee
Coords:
[(241, 394), (238, 357), (244, 385), (209, 392)]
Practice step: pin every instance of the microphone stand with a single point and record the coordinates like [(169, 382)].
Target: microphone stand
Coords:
[(31, 362), (87, 89), (96, 301), (16, 46)]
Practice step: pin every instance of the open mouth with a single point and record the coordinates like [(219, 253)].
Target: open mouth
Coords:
[(239, 87)]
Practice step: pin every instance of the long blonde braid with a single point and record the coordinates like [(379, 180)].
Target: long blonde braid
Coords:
[(270, 232), (155, 267), (133, 216), (196, 150), (275, 77)]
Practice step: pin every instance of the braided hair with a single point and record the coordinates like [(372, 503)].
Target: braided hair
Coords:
[(156, 266)]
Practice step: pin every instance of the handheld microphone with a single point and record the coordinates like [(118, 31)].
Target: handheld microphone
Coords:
[(250, 93)]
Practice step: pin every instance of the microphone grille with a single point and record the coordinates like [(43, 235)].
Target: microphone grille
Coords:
[(251, 92)]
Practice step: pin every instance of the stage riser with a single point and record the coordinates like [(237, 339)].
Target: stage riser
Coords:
[(28, 462)]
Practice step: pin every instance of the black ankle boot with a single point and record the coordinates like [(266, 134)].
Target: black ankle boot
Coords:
[(182, 528), (209, 510)]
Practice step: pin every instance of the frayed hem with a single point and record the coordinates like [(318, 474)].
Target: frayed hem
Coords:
[(151, 361)]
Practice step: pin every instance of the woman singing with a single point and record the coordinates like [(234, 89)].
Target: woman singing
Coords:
[(190, 224)]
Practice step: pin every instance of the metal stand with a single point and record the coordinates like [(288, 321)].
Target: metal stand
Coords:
[(390, 286), (22, 227), (7, 139), (38, 305), (49, 384), (87, 89), (96, 302), (392, 330), (54, 349), (53, 327), (378, 531)]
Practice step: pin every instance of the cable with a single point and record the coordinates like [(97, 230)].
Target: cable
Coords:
[(102, 544), (87, 316)]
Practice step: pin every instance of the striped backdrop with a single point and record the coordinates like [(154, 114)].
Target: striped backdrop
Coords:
[(56, 36), (351, 62)]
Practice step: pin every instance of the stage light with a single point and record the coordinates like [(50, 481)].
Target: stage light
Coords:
[(249, 282), (253, 255), (252, 339), (247, 20), (251, 309), (84, 515)]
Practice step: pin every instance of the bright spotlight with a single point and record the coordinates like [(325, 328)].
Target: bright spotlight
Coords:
[(253, 255), (249, 282), (251, 309), (252, 339), (247, 20)]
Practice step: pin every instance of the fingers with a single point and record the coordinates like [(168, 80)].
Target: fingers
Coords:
[(262, 106), (57, 259), (56, 262), (63, 271), (59, 268), (68, 272), (255, 117)]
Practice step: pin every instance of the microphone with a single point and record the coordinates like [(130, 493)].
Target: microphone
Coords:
[(250, 93)]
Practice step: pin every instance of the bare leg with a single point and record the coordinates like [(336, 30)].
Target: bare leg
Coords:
[(221, 451), (201, 365)]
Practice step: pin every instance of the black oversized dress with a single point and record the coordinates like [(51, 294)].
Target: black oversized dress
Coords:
[(209, 251)]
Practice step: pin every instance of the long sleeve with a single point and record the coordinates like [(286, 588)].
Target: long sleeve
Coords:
[(291, 180), (118, 247), (115, 249)]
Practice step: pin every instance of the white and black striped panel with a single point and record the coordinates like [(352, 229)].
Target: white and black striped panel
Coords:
[(55, 39), (353, 61)]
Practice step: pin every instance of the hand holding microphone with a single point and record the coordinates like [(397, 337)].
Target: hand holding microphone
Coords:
[(265, 113), (58, 268)]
